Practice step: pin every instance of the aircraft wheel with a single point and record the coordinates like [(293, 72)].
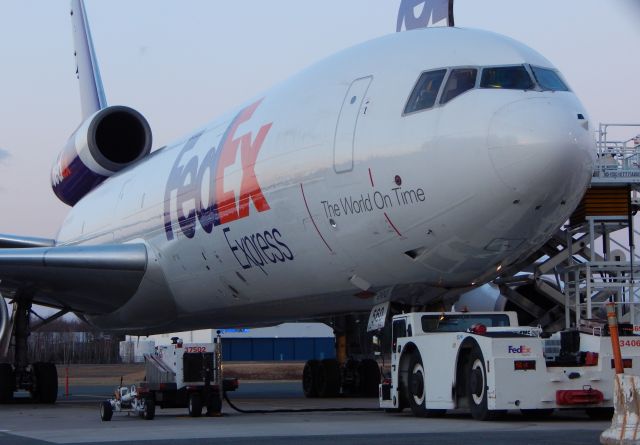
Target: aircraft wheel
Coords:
[(477, 387), (106, 411), (349, 378), (195, 405), (329, 381), (417, 390), (310, 378), (599, 413), (369, 376), (46, 382), (149, 411), (7, 382)]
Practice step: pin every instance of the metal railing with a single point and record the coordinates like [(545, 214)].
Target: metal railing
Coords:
[(617, 161), (593, 284)]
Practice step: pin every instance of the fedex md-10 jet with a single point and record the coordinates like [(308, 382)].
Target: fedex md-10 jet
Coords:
[(408, 169)]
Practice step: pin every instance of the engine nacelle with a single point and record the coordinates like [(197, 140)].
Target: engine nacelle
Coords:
[(485, 298), (104, 144)]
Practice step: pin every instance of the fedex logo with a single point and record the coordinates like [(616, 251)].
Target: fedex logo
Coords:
[(216, 204), (412, 18), (519, 349)]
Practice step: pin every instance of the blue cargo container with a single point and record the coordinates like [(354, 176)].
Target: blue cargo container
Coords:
[(277, 349)]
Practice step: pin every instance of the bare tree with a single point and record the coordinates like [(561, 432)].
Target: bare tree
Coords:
[(65, 341)]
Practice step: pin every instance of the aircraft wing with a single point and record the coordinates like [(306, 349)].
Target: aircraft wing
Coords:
[(88, 279), (13, 241)]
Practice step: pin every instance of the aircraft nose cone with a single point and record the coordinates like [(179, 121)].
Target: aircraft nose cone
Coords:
[(540, 143)]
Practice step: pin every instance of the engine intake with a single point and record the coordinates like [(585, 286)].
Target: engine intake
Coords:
[(110, 140)]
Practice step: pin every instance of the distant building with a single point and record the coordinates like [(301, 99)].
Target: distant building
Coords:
[(133, 351)]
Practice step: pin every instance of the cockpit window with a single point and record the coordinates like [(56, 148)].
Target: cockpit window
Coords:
[(507, 77), (549, 79), (426, 91), (429, 86), (460, 80)]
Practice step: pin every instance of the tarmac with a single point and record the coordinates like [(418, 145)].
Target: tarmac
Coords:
[(75, 420)]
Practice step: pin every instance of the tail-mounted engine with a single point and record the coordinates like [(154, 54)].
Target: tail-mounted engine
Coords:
[(104, 144)]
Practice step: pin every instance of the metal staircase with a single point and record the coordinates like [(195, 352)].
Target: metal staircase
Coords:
[(592, 259)]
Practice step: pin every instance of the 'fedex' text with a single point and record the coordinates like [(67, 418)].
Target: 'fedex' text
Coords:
[(519, 349), (219, 205)]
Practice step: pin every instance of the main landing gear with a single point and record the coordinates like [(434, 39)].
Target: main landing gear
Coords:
[(353, 372), (40, 378)]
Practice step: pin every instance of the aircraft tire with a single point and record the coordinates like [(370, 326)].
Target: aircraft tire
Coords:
[(46, 382), (311, 378), (350, 379), (369, 377), (329, 382), (7, 382)]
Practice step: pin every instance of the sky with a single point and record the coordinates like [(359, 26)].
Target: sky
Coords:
[(181, 64)]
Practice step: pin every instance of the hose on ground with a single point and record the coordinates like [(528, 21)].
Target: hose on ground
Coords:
[(303, 410)]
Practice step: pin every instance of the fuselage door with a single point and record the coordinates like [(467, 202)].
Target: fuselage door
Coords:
[(343, 144)]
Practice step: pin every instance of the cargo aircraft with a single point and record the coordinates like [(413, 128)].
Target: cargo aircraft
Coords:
[(408, 169)]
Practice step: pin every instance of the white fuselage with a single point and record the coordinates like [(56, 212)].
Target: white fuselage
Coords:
[(321, 196)]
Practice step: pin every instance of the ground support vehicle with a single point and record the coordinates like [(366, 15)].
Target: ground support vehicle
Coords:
[(126, 399), (177, 376), (487, 364)]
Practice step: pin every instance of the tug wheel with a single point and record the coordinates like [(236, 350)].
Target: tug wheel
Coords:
[(476, 375), (417, 389), (195, 405), (214, 405), (106, 411), (149, 411)]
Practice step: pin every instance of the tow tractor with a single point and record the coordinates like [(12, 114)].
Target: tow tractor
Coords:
[(177, 376), (485, 363)]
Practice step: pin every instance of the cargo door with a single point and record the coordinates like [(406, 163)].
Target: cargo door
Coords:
[(346, 127)]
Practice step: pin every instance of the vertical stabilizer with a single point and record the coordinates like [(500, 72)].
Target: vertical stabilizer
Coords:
[(416, 14), (92, 96)]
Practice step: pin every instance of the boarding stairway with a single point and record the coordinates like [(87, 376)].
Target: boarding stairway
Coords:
[(591, 260)]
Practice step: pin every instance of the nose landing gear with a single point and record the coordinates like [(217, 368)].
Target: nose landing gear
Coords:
[(354, 371)]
